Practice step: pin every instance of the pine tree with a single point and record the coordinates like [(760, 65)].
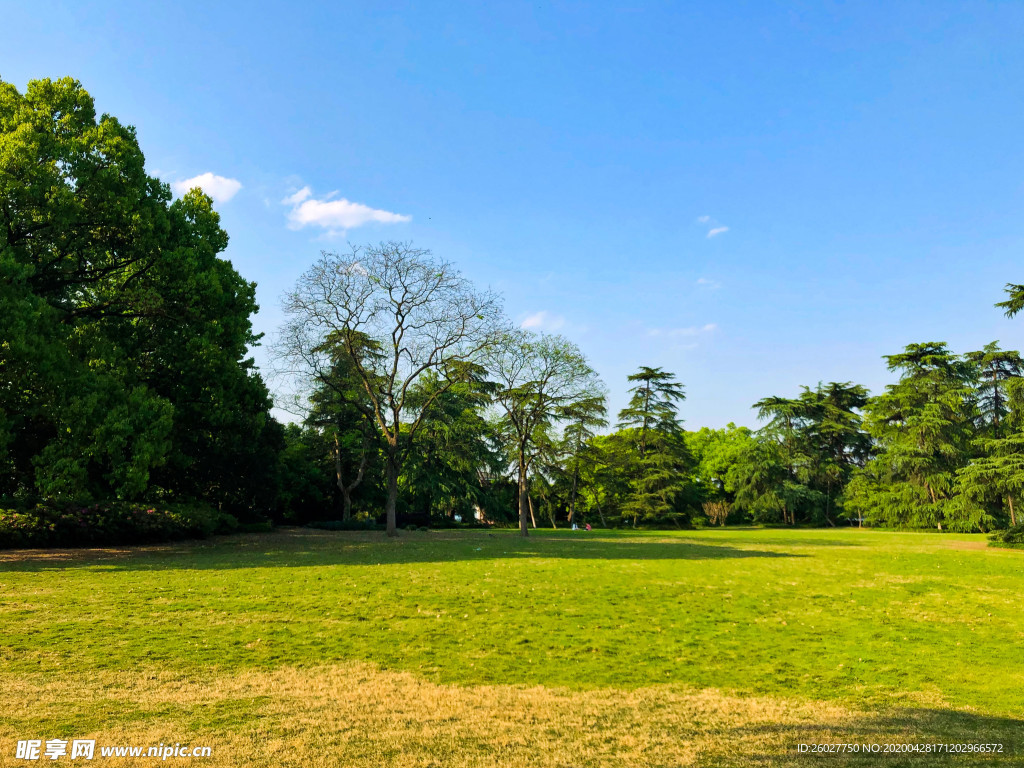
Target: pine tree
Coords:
[(583, 417), (995, 368), (923, 426), (660, 471)]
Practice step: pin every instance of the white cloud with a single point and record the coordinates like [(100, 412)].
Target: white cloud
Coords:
[(220, 188), (334, 215), (717, 231), (298, 197), (543, 321), (703, 219), (707, 282)]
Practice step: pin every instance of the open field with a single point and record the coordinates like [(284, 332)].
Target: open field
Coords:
[(454, 648)]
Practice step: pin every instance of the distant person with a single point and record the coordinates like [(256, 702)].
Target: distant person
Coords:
[(575, 527), (588, 526)]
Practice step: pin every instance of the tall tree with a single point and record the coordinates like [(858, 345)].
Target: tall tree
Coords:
[(421, 311), (835, 441), (786, 418), (125, 335), (995, 369), (340, 407), (650, 422), (540, 379), (456, 449), (583, 418), (923, 427)]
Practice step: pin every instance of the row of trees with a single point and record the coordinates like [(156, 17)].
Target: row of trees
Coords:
[(407, 368), (124, 374), (400, 362), (943, 447)]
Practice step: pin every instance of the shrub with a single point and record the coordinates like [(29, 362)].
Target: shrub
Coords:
[(1010, 538), (111, 523), (716, 511)]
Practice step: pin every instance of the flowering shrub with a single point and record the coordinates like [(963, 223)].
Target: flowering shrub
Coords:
[(68, 525)]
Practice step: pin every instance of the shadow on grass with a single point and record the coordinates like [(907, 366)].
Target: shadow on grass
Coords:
[(935, 732), (302, 547)]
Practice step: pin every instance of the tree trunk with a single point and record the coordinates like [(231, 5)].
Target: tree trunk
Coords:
[(600, 512), (1013, 517), (524, 528), (346, 500), (346, 490), (392, 502), (572, 495), (529, 500)]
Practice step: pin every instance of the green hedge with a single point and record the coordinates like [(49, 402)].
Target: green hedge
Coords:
[(1011, 537), (72, 525)]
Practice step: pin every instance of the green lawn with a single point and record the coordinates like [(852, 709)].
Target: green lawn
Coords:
[(875, 634)]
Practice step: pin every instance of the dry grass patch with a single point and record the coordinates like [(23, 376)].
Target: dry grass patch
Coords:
[(357, 715)]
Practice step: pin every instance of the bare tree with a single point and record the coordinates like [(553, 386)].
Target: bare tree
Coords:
[(420, 314), (540, 379)]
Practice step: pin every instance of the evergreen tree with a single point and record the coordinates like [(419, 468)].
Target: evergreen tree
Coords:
[(659, 474), (458, 451), (583, 416), (995, 369), (340, 408), (923, 429)]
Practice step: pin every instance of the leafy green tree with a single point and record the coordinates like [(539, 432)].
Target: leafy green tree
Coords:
[(457, 447), (340, 408), (540, 380), (124, 334), (650, 423), (583, 418), (305, 476), (603, 481), (834, 441), (995, 369), (718, 453), (422, 312), (923, 426), (764, 485), (990, 485), (772, 474)]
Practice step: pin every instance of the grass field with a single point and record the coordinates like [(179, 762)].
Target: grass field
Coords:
[(711, 648)]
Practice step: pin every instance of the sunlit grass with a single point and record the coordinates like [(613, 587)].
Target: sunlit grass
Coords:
[(857, 634)]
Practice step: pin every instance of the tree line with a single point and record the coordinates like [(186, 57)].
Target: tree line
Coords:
[(125, 375)]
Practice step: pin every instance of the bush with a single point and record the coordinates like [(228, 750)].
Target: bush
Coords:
[(716, 511), (1010, 538), (111, 523), (346, 525)]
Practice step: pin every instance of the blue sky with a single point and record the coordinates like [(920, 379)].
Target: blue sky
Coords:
[(862, 163)]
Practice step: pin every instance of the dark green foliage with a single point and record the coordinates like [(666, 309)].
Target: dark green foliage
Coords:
[(1010, 538), (990, 485), (923, 427), (658, 460), (995, 370), (814, 443), (124, 334), (305, 477), (457, 447), (113, 523)]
